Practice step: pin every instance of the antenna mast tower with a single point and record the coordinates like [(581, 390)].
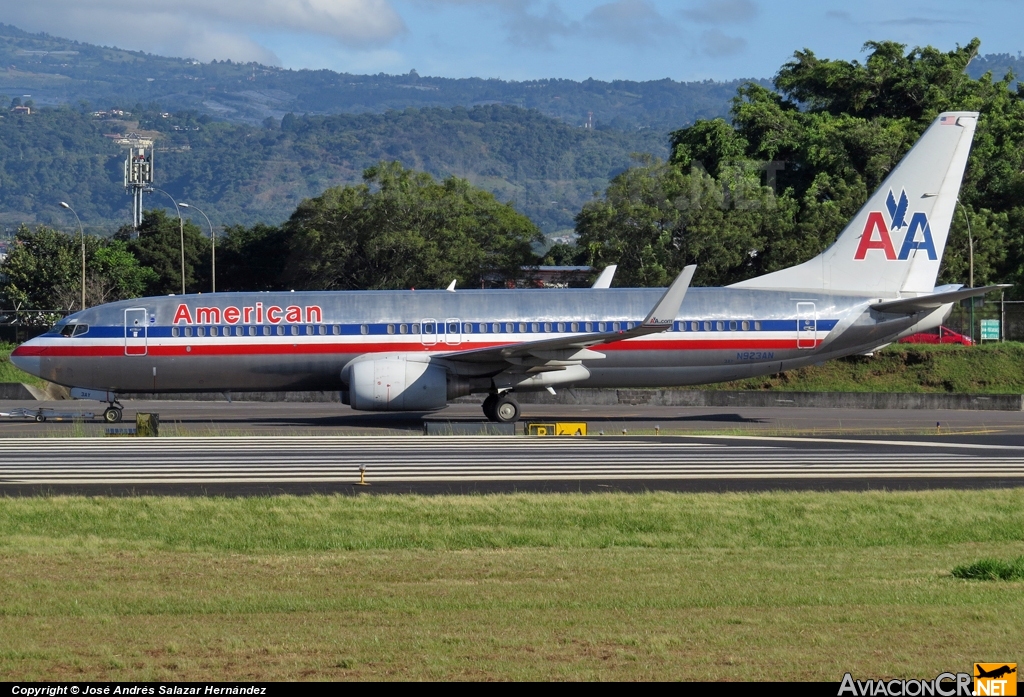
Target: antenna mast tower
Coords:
[(138, 174)]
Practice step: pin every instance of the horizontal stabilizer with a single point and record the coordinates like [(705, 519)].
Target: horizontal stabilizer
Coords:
[(925, 303)]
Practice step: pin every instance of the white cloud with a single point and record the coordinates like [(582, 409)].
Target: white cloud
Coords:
[(204, 29)]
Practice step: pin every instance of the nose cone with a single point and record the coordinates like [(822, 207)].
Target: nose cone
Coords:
[(26, 357)]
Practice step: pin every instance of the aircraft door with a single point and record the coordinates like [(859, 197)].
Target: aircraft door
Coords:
[(136, 331), (452, 331), (806, 326), (428, 332)]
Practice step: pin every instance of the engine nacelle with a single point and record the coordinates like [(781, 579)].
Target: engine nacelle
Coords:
[(394, 384)]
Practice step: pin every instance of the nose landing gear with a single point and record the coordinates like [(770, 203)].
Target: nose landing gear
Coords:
[(113, 413)]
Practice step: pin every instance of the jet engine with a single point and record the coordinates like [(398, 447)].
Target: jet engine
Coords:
[(395, 384)]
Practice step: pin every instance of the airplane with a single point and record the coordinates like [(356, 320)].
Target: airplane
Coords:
[(416, 350)]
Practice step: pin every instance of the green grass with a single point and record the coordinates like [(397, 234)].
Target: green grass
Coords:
[(986, 368), (992, 570), (564, 586)]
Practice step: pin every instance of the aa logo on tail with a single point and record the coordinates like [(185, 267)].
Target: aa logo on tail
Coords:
[(877, 234)]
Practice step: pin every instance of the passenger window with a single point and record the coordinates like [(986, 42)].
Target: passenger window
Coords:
[(496, 328), (575, 326), (214, 331), (252, 331), (602, 327), (453, 328), (745, 325), (403, 329), (616, 326), (266, 331), (589, 327), (428, 328), (321, 330), (695, 326), (335, 330), (415, 328), (200, 331), (468, 327), (547, 326), (295, 330), (522, 327), (732, 325), (707, 326), (757, 326), (280, 330), (535, 327), (483, 327), (174, 331), (188, 331), (391, 329), (561, 326), (720, 326), (509, 328)]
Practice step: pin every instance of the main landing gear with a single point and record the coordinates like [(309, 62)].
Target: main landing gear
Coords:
[(112, 414), (501, 408)]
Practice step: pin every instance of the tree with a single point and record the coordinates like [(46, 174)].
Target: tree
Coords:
[(44, 271), (158, 246), (821, 141), (402, 229), (252, 258)]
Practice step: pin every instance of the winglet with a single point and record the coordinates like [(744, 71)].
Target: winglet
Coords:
[(605, 279), (664, 313), (451, 286)]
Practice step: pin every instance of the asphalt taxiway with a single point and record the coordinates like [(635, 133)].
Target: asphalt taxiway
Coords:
[(250, 448), (240, 465), (183, 418)]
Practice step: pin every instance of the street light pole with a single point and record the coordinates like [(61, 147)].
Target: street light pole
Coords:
[(81, 234), (181, 229), (213, 249)]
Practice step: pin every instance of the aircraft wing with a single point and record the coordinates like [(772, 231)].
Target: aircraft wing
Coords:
[(924, 303), (577, 347)]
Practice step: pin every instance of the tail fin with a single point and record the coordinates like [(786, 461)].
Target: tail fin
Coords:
[(895, 242)]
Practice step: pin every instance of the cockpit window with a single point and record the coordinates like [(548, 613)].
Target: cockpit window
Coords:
[(73, 329)]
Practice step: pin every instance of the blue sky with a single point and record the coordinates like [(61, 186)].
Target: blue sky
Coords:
[(524, 39)]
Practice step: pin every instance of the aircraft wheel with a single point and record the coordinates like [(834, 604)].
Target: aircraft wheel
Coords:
[(112, 415), (506, 409), (40, 418), (489, 407)]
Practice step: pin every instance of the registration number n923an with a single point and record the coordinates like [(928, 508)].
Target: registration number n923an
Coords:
[(755, 355)]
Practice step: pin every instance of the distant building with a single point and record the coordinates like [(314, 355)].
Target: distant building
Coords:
[(21, 110)]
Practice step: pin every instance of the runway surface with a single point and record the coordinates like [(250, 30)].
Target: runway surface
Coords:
[(181, 418), (305, 464)]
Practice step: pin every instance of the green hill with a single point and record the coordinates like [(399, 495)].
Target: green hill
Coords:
[(243, 174), (60, 71)]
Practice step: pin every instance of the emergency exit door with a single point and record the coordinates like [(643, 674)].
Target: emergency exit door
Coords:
[(136, 332)]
